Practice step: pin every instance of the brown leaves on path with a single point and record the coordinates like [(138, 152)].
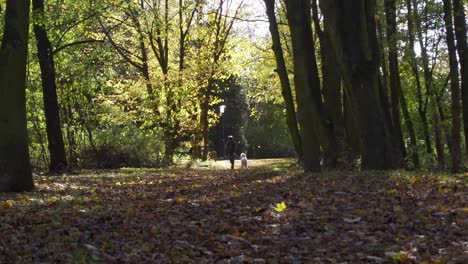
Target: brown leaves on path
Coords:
[(264, 215)]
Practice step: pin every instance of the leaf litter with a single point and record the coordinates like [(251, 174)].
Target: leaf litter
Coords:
[(260, 215)]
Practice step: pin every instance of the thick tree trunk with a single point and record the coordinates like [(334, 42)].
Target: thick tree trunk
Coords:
[(307, 83), (58, 160), (462, 48), (331, 90), (284, 79), (395, 84), (359, 58), (353, 133), (15, 169), (455, 150)]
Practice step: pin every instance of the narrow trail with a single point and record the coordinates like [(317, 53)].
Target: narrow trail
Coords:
[(269, 213)]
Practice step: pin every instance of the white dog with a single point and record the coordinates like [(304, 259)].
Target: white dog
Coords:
[(243, 158)]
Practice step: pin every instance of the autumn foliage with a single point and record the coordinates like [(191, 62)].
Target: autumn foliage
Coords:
[(268, 214)]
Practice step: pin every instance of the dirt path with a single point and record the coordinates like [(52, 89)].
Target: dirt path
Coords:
[(267, 214)]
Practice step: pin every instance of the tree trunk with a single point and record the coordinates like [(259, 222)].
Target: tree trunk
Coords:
[(353, 134), (58, 160), (441, 113), (284, 79), (395, 84), (438, 135), (15, 169), (204, 122), (358, 56), (428, 83), (410, 127), (462, 48), (455, 89), (422, 103), (332, 91), (387, 105), (307, 84)]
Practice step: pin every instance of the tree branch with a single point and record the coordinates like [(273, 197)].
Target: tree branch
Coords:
[(79, 42)]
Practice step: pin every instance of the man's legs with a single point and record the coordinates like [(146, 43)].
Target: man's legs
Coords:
[(231, 159)]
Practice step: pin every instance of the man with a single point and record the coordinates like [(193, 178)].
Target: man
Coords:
[(231, 150)]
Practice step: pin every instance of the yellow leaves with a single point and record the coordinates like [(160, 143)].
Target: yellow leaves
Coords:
[(182, 199), (401, 258), (404, 259), (5, 205), (280, 207), (131, 212), (128, 183)]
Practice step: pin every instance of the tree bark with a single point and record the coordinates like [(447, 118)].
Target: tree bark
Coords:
[(395, 84), (462, 48), (58, 160), (397, 95), (411, 132), (332, 91), (15, 169), (437, 125), (455, 89), (422, 103), (284, 79), (428, 84), (307, 83), (355, 43)]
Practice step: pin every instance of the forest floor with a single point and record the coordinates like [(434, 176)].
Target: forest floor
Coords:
[(270, 213)]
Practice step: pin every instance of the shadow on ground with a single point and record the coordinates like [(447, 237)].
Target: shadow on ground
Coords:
[(232, 216)]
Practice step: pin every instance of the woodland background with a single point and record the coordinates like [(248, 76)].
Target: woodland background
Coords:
[(375, 85)]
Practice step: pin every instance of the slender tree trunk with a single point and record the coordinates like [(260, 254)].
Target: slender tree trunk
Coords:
[(395, 84), (410, 127), (385, 92), (438, 135), (462, 48), (204, 122), (428, 84), (455, 89), (422, 103), (307, 84), (223, 24), (441, 113), (58, 160), (15, 169), (70, 131), (284, 79)]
